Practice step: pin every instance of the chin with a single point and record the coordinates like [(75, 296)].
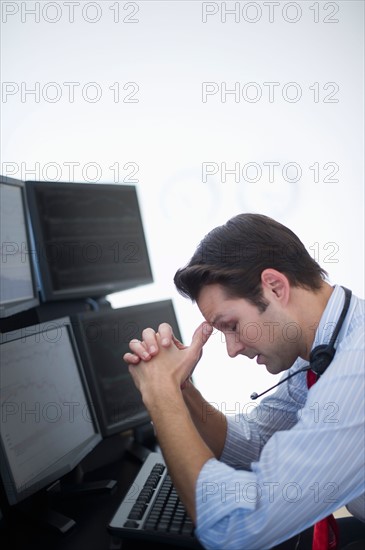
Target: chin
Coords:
[(276, 369)]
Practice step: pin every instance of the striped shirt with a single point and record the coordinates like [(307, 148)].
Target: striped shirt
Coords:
[(298, 456)]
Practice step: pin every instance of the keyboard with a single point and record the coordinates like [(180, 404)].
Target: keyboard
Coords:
[(152, 510)]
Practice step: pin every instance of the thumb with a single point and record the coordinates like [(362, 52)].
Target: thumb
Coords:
[(201, 336)]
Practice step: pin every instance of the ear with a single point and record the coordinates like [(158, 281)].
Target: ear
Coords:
[(275, 284)]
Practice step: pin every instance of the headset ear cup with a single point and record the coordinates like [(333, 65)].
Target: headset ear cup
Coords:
[(320, 358)]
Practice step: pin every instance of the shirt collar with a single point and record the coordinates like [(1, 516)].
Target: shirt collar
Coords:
[(329, 317)]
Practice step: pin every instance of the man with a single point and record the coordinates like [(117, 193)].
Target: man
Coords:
[(254, 481)]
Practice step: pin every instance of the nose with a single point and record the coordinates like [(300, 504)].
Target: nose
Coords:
[(233, 344)]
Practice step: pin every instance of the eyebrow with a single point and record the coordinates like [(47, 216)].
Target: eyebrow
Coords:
[(217, 319)]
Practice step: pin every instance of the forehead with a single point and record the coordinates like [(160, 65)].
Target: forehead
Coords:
[(214, 303)]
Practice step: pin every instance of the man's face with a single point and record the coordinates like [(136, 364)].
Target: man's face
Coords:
[(272, 337)]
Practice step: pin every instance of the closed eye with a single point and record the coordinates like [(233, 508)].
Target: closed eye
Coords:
[(228, 327)]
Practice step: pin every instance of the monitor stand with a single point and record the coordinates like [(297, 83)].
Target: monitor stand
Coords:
[(54, 520), (38, 511), (143, 442), (137, 451), (73, 484)]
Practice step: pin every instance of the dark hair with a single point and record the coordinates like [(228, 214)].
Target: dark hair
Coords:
[(235, 254)]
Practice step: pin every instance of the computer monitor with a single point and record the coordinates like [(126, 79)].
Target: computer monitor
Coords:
[(48, 424), (102, 339), (18, 288), (89, 238)]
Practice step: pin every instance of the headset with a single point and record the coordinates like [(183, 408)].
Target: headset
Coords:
[(321, 356)]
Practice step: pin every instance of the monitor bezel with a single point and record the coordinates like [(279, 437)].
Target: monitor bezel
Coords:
[(78, 321), (68, 462), (12, 308), (47, 292)]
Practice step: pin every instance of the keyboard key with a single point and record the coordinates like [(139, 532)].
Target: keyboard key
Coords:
[(129, 523)]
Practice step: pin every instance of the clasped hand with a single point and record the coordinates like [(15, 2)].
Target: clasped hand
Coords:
[(160, 359)]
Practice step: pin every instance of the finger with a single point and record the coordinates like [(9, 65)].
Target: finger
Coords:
[(166, 334), (131, 358), (138, 348), (168, 337), (150, 341), (201, 336)]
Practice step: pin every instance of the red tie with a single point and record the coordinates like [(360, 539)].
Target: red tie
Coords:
[(325, 534)]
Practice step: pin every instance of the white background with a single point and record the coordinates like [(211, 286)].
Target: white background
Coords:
[(159, 55)]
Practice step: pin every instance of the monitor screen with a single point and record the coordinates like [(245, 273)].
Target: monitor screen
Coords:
[(102, 339), (89, 238), (18, 289), (48, 424)]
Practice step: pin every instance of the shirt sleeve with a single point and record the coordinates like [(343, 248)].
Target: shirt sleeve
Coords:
[(303, 473), (248, 433)]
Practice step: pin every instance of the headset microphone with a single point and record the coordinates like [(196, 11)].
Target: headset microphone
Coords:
[(321, 356), (256, 395)]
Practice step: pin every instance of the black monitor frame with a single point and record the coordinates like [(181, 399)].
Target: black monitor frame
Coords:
[(72, 459), (129, 254), (124, 324), (17, 306)]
